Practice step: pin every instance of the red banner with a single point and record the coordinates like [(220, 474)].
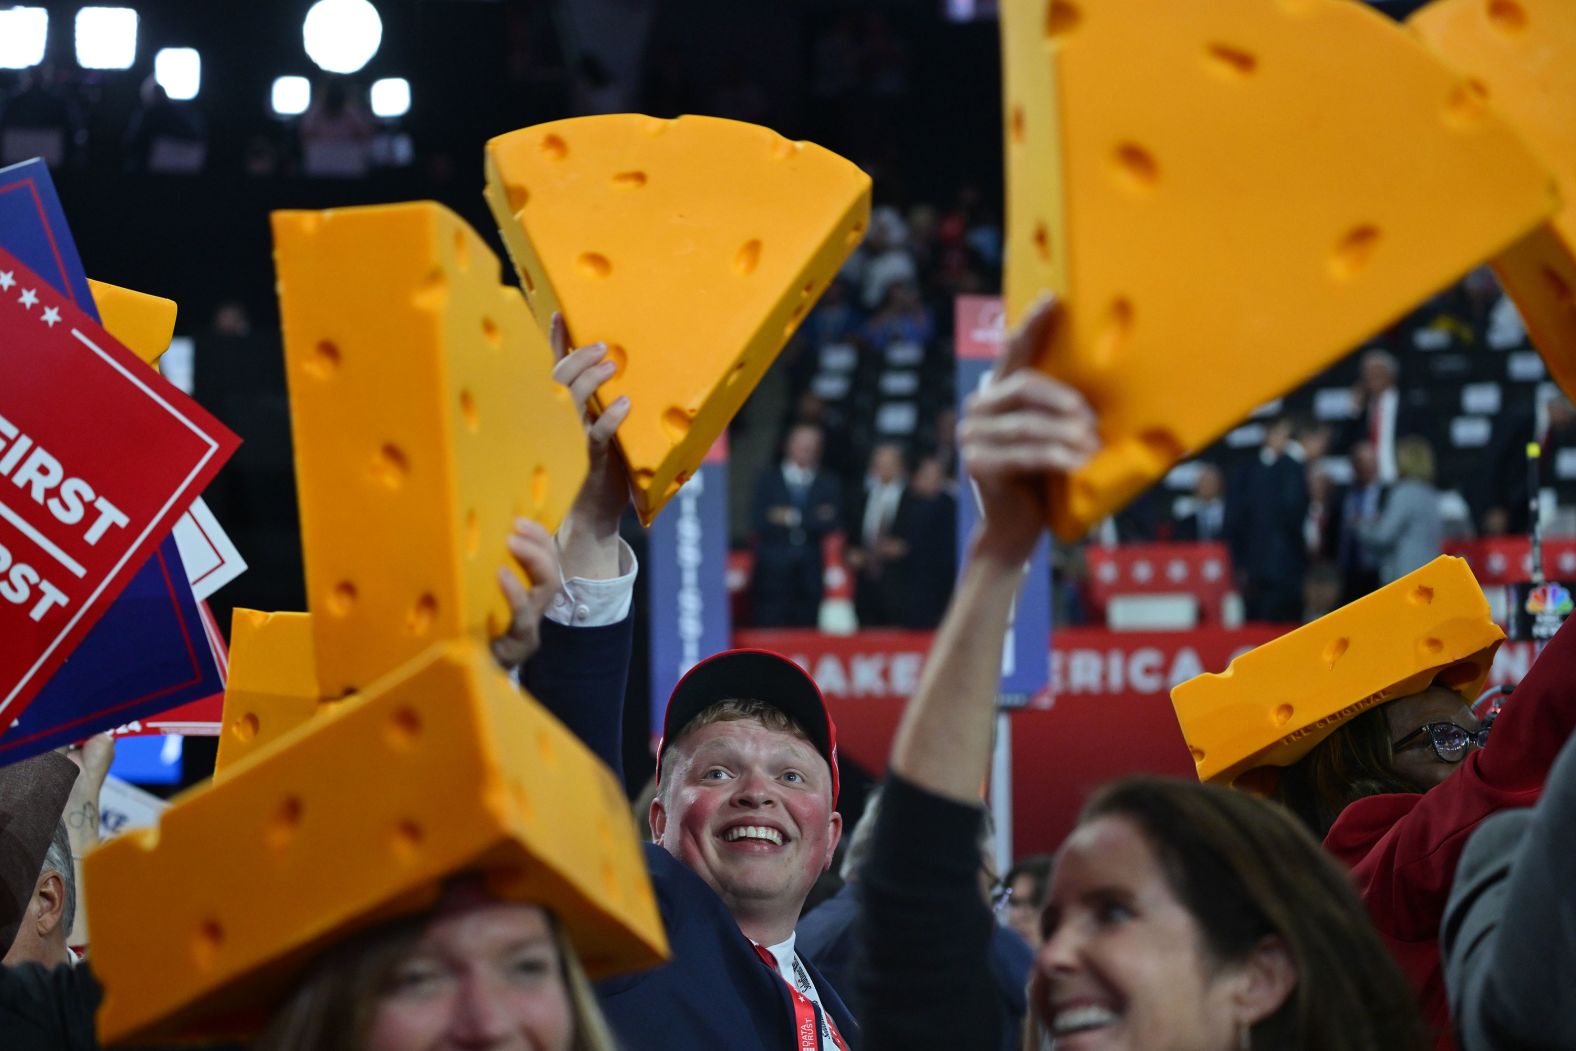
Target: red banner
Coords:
[(1108, 712), (98, 458)]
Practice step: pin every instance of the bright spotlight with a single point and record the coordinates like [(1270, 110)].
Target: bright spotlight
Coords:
[(291, 96), (106, 37), (390, 97), (178, 71), (23, 33), (341, 36)]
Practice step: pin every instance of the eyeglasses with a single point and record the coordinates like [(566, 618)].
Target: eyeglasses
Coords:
[(1450, 742), (1000, 895)]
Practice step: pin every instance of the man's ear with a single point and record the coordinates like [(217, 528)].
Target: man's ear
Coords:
[(49, 899), (657, 818), (1266, 979), (833, 839)]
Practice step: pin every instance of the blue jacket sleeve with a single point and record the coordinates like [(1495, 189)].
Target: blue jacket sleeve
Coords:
[(579, 674)]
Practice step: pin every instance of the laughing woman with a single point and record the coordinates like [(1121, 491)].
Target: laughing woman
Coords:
[(1179, 917)]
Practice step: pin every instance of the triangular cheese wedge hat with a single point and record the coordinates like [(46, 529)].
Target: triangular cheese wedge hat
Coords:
[(1228, 197), (442, 768), (1520, 58), (1273, 704), (692, 247), (145, 323)]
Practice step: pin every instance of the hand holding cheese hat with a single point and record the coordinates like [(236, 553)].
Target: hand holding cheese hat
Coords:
[(1273, 705)]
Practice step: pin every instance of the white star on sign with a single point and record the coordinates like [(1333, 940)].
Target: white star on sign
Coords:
[(7, 279), (29, 297), (51, 316)]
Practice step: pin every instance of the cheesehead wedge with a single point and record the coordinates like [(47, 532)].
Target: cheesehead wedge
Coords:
[(144, 323), (272, 687), (440, 769), (1273, 704), (692, 247), (425, 420), (1228, 196), (1520, 57)]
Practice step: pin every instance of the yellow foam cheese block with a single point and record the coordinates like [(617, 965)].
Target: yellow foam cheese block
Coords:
[(442, 769), (272, 687), (692, 247), (1520, 56), (1228, 196), (144, 323), (425, 421), (1276, 702)]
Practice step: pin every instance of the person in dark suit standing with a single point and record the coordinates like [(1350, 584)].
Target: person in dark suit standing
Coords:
[(1207, 521), (796, 506), (745, 816), (1362, 503), (927, 529), (874, 549), (1380, 416), (1265, 530)]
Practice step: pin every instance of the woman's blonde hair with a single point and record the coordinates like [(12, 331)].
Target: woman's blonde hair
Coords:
[(331, 1008)]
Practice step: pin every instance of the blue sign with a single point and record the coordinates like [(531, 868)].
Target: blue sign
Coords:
[(687, 569), (1025, 656)]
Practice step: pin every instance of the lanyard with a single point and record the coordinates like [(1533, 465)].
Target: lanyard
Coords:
[(807, 1017)]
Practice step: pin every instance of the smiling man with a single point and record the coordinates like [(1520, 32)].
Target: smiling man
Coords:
[(745, 816)]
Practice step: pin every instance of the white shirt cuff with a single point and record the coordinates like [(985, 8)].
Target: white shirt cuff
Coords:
[(582, 603)]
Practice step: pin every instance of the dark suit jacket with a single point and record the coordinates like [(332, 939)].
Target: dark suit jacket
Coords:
[(830, 935), (715, 992), (820, 509)]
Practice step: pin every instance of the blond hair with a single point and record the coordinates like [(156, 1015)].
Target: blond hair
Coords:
[(1414, 458), (732, 710)]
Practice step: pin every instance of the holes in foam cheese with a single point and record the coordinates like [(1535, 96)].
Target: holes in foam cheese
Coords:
[(491, 332), (1283, 714), (422, 615), (207, 941), (594, 264), (676, 422), (403, 730), (1421, 595), (342, 599), (284, 823), (748, 257), (632, 180), (538, 487), (245, 728), (1042, 241), (323, 362), (554, 148), (1061, 17), (1354, 251), (406, 840), (1431, 646), (1231, 62), (1507, 16), (1116, 328), (1136, 168), (518, 196), (473, 533), (462, 250), (1017, 123), (469, 413), (390, 466), (1467, 105), (1335, 650)]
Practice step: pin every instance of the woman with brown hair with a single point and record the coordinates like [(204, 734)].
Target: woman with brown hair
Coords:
[(1179, 917)]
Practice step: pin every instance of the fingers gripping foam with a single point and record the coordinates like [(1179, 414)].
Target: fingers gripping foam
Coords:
[(425, 421)]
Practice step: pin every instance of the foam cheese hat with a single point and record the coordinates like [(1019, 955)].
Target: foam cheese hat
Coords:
[(1273, 704), (438, 769)]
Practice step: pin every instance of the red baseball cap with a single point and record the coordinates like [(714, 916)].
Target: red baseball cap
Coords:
[(757, 675)]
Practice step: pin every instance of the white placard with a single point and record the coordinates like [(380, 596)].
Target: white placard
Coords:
[(211, 558)]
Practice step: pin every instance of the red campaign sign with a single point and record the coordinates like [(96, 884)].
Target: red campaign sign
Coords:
[(1508, 559), (98, 458)]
